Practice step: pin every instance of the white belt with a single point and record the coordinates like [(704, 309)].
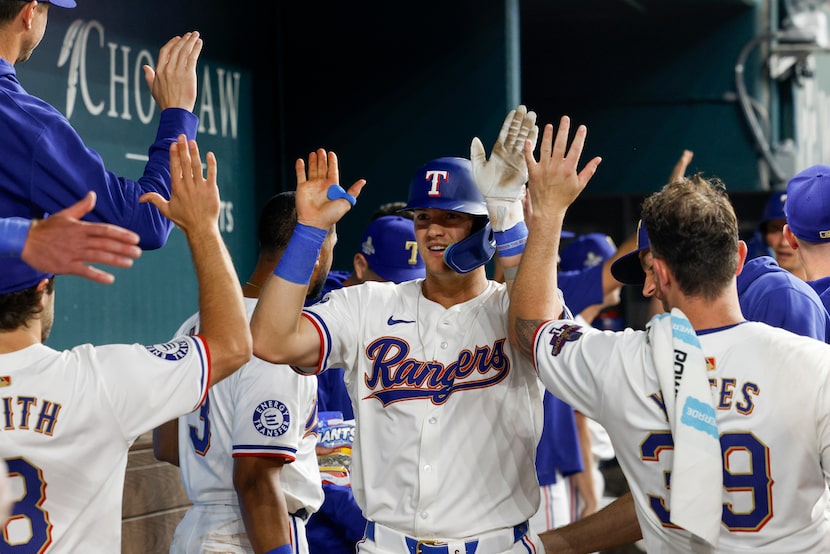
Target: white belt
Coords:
[(492, 542)]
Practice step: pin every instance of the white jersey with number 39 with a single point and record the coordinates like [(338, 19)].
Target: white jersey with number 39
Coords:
[(773, 412)]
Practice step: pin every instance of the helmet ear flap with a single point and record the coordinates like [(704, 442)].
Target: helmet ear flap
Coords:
[(473, 251)]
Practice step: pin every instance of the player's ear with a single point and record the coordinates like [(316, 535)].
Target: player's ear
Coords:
[(662, 272), (790, 237), (361, 266), (742, 252)]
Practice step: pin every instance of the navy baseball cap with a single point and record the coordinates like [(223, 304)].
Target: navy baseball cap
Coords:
[(586, 251), (808, 204), (774, 209), (61, 3), (391, 249), (17, 275), (627, 269)]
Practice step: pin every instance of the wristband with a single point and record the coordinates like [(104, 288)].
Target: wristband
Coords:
[(297, 262), (512, 241), (284, 549), (13, 233)]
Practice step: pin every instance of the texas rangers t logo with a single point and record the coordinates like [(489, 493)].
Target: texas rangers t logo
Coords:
[(435, 176), (561, 335)]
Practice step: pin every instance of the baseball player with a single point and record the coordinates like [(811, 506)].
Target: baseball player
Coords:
[(45, 164), (699, 400), (247, 455), (387, 252), (447, 416), (70, 417), (808, 226), (766, 292), (771, 228)]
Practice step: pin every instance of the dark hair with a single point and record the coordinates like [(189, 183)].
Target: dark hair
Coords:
[(10, 8), (18, 308), (277, 222), (392, 208), (693, 227)]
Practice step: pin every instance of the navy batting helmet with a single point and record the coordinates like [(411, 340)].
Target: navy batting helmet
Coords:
[(449, 184)]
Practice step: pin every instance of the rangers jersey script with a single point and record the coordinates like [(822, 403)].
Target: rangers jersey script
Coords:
[(772, 391), (69, 419), (262, 409), (437, 393)]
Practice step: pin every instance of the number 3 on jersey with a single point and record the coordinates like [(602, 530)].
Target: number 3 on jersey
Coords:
[(201, 440), (28, 516), (753, 478)]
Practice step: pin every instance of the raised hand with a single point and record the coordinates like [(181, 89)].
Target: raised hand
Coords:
[(173, 82), (321, 201), (503, 176), (554, 180)]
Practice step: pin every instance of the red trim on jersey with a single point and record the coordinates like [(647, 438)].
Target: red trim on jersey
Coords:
[(209, 369), (322, 349), (288, 459), (533, 344)]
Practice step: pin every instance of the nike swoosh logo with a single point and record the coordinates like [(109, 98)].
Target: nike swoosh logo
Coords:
[(392, 321)]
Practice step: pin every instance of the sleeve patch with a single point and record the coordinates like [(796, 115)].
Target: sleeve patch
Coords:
[(562, 335), (271, 418), (172, 351)]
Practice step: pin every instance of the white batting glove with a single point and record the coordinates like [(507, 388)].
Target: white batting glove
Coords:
[(501, 179)]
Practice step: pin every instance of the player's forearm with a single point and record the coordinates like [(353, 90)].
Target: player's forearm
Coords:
[(614, 526), (276, 324), (265, 517), (262, 502), (224, 321), (534, 296)]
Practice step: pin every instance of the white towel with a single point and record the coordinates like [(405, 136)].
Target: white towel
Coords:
[(696, 485)]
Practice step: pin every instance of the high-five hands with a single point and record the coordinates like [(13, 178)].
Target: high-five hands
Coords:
[(501, 179), (554, 180), (194, 200)]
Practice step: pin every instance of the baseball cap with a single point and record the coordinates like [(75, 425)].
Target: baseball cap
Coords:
[(627, 269), (586, 251), (808, 204), (61, 3), (774, 209), (17, 275), (391, 250)]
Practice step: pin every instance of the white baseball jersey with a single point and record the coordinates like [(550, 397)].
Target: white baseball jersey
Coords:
[(448, 417), (68, 419), (773, 412), (262, 409)]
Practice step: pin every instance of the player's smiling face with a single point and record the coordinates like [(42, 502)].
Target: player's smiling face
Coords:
[(435, 230)]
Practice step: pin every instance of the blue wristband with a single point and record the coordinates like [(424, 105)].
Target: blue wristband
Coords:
[(13, 232), (297, 262), (512, 241), (284, 549)]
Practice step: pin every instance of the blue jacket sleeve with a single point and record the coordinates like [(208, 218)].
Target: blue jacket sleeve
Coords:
[(64, 169)]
